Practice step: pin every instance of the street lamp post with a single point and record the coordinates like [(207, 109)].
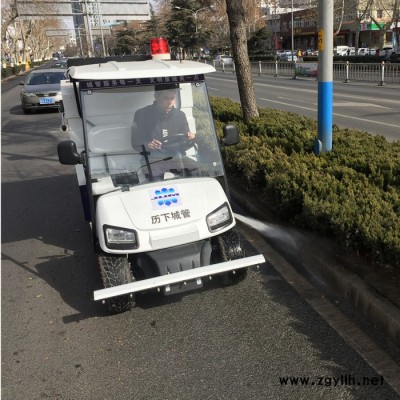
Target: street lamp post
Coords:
[(80, 40), (292, 35), (101, 28)]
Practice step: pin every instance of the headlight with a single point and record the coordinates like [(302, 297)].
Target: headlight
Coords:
[(28, 94), (120, 238), (219, 218)]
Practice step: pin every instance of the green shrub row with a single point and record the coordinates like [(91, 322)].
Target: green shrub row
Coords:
[(10, 71), (351, 193), (17, 69)]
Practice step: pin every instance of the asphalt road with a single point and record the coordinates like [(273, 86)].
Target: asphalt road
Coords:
[(362, 106), (239, 342)]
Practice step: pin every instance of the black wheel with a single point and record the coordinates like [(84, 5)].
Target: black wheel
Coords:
[(230, 246), (115, 271)]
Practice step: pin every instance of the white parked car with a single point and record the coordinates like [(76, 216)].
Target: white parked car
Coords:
[(223, 60), (341, 50), (279, 53), (386, 50), (287, 56), (366, 51)]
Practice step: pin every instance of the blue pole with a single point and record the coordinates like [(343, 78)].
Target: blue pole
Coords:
[(325, 76)]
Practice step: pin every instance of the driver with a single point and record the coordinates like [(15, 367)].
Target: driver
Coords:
[(154, 124)]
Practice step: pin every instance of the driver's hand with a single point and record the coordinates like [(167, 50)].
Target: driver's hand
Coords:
[(154, 145), (191, 135)]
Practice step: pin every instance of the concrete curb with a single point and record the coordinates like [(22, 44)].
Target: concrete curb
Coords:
[(348, 285), (364, 298)]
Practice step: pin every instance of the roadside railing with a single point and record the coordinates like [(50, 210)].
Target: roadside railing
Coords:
[(381, 73)]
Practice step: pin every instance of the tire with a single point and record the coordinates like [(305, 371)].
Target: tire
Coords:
[(115, 271), (231, 247)]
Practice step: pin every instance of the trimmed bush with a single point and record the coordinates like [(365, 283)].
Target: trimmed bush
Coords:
[(351, 193)]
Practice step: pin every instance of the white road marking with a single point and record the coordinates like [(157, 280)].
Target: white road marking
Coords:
[(352, 104), (336, 114), (303, 90)]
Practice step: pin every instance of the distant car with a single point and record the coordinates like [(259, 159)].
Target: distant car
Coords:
[(366, 51), (341, 50), (310, 52), (223, 60), (362, 51), (393, 56), (390, 54), (60, 64), (279, 53), (386, 50), (42, 90), (287, 56)]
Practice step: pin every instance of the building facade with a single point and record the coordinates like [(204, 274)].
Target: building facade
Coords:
[(355, 28)]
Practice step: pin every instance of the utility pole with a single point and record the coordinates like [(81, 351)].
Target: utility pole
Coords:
[(101, 28), (325, 77)]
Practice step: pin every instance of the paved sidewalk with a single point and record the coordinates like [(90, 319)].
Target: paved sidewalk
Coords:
[(374, 291)]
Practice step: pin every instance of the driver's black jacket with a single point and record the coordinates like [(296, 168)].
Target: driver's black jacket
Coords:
[(151, 123)]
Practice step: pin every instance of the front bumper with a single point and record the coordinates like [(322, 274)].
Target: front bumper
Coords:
[(35, 105), (165, 281)]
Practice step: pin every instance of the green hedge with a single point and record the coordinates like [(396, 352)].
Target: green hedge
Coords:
[(351, 193), (10, 71), (17, 69)]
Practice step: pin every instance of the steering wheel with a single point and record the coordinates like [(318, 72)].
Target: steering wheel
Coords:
[(180, 142)]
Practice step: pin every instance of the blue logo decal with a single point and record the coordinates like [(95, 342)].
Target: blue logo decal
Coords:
[(165, 197)]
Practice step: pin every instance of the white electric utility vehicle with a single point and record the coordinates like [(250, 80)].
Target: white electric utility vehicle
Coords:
[(161, 219)]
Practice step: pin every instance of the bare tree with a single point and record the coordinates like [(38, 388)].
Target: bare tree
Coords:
[(31, 33), (8, 16), (361, 9), (236, 16), (391, 12), (39, 44)]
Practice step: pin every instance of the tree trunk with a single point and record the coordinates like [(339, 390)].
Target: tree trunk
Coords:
[(236, 17)]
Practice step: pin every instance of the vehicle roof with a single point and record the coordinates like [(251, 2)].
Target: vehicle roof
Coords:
[(45, 71), (138, 69)]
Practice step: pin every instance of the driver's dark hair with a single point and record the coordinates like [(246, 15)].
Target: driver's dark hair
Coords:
[(166, 86)]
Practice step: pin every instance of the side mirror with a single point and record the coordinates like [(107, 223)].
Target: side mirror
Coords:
[(67, 153), (230, 135)]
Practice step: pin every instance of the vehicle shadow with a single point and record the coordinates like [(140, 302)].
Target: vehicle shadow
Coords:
[(46, 213), (17, 110), (51, 220)]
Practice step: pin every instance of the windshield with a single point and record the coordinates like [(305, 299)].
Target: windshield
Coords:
[(45, 78), (141, 134)]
